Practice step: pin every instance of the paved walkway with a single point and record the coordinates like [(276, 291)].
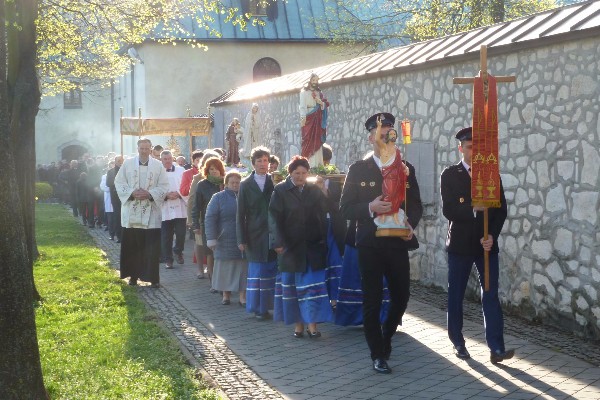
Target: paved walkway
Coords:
[(248, 359)]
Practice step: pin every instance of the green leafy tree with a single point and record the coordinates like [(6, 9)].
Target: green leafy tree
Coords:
[(364, 26), (440, 18), (84, 42)]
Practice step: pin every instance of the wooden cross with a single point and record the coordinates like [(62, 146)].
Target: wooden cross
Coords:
[(483, 73)]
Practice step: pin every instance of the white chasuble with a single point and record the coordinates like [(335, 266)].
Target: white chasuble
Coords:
[(145, 214)]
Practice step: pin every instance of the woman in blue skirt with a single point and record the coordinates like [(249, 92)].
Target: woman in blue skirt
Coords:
[(350, 295), (298, 226)]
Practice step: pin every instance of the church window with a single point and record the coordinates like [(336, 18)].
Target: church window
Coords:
[(72, 98), (266, 68)]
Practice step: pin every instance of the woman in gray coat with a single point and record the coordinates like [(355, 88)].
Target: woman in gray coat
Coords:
[(230, 268)]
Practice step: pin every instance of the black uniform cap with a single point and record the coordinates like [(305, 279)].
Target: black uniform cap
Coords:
[(464, 134), (387, 119)]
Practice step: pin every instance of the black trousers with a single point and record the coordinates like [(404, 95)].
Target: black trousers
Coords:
[(117, 221), (374, 264)]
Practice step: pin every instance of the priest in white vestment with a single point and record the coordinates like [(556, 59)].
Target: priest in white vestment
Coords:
[(142, 185)]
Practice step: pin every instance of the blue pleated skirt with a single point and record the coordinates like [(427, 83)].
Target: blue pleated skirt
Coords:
[(349, 305), (334, 265), (261, 287), (302, 297)]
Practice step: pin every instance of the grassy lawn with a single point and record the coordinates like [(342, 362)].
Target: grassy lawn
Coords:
[(97, 338)]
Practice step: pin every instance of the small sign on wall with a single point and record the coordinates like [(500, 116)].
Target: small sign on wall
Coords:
[(422, 156)]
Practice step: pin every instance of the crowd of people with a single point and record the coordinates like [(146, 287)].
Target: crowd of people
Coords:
[(304, 251)]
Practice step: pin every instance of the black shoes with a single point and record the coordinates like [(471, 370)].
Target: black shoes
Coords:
[(381, 366), (313, 335), (263, 317), (499, 356), (180, 259), (461, 352)]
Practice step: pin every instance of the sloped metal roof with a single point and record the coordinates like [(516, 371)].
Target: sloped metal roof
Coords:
[(295, 21), (576, 20)]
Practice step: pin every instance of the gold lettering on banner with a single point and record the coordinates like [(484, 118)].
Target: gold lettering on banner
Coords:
[(479, 185)]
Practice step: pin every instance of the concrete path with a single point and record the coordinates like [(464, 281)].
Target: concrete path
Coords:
[(249, 359)]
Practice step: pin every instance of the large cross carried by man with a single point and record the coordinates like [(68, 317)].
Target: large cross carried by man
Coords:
[(485, 168)]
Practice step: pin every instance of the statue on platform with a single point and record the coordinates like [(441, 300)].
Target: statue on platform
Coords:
[(313, 120), (233, 137), (252, 131), (395, 174)]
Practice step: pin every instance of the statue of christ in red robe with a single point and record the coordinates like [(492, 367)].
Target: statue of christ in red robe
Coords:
[(313, 121)]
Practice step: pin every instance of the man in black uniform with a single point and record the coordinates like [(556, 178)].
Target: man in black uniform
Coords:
[(380, 256), (465, 245)]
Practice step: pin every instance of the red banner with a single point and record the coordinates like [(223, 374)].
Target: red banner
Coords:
[(485, 168)]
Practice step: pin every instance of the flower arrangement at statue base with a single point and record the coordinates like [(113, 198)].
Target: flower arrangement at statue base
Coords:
[(326, 171)]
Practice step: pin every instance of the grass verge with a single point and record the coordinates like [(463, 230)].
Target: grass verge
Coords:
[(97, 338)]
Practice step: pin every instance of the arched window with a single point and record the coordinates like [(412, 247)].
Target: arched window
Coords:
[(266, 68), (72, 98)]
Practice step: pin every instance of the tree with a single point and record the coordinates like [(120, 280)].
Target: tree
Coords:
[(84, 42), (76, 42), (374, 26), (21, 372), (440, 18)]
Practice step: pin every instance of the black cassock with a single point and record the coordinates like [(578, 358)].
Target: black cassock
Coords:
[(140, 253)]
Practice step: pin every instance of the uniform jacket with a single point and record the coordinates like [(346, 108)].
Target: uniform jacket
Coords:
[(363, 185), (465, 229), (298, 223), (253, 219), (219, 225)]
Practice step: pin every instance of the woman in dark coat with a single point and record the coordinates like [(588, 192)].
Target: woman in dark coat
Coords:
[(253, 235), (213, 172), (298, 226)]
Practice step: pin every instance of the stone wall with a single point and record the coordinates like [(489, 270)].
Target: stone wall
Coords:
[(550, 163)]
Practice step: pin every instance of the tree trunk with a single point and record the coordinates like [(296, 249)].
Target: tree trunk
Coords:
[(20, 367)]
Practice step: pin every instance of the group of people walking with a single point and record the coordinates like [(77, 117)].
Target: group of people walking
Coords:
[(281, 249)]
